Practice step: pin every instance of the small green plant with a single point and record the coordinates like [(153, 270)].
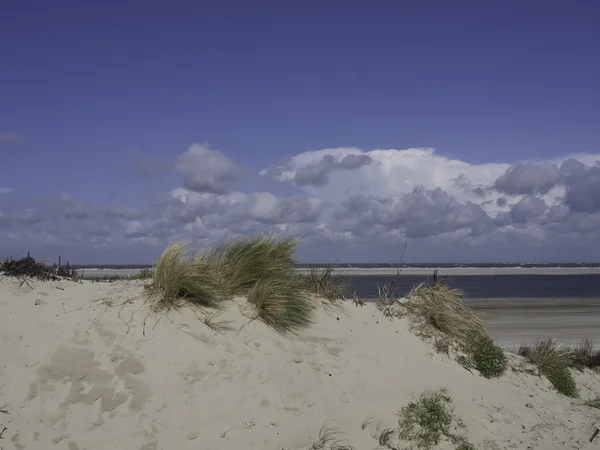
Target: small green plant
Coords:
[(562, 380), (488, 358), (594, 403), (423, 423), (466, 446), (427, 420), (553, 361)]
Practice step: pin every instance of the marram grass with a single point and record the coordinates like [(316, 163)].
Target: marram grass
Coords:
[(260, 268), (180, 276)]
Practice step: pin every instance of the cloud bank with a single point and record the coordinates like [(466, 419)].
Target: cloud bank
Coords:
[(348, 204)]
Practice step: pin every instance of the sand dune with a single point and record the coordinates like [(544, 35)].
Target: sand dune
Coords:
[(87, 366)]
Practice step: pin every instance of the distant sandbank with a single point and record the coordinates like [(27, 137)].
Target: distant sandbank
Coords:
[(450, 271)]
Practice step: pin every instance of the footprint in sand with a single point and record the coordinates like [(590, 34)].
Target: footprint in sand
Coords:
[(88, 383)]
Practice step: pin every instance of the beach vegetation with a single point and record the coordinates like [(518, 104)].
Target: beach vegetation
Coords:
[(242, 263), (593, 403), (439, 307), (553, 360), (330, 438), (144, 274), (422, 423), (322, 282), (182, 277), (260, 268), (487, 357)]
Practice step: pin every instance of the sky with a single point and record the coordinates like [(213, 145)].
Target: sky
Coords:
[(466, 130)]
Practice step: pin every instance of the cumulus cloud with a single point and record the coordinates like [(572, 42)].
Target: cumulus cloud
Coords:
[(316, 173), (347, 203), (583, 188), (422, 213), (528, 179), (206, 170)]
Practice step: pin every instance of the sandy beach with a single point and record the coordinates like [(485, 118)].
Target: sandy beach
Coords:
[(87, 366)]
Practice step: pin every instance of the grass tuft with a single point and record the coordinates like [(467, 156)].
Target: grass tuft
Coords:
[(330, 439), (179, 276), (553, 361), (282, 303), (441, 307), (584, 355), (322, 282), (243, 263)]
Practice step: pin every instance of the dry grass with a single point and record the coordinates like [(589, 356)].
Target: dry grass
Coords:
[(330, 439), (440, 307), (243, 263), (584, 355), (181, 277), (388, 303), (321, 282), (282, 303)]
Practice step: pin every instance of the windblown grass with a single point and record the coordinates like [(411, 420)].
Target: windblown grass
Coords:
[(441, 307), (243, 263), (282, 303), (180, 277), (262, 268), (330, 438), (553, 361)]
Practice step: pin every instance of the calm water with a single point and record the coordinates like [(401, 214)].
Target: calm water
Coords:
[(489, 286)]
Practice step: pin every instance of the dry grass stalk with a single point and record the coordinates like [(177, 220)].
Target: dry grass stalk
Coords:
[(441, 307), (321, 282), (180, 276)]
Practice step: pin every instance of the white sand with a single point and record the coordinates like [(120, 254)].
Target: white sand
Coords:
[(90, 368)]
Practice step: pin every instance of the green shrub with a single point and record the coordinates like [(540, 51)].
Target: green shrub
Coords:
[(488, 358), (427, 420), (593, 403), (562, 380)]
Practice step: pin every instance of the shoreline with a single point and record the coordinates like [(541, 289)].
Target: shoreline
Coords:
[(408, 271)]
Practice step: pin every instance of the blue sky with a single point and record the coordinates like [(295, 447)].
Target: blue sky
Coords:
[(101, 103)]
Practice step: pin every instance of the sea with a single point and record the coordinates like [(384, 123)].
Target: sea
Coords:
[(484, 286)]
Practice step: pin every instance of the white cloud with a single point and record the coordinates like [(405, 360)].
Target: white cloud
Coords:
[(5, 191)]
